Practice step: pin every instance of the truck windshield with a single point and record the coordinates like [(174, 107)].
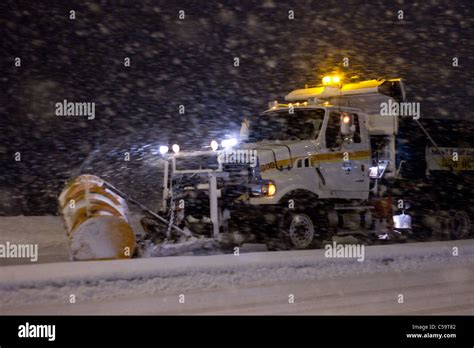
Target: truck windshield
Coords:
[(303, 124)]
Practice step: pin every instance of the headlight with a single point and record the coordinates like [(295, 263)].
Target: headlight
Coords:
[(164, 149), (271, 189), (175, 148), (266, 188), (214, 145), (229, 142)]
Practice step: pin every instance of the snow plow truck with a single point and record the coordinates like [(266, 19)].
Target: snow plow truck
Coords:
[(333, 160)]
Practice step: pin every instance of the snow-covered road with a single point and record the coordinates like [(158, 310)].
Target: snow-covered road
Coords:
[(428, 276), (47, 232)]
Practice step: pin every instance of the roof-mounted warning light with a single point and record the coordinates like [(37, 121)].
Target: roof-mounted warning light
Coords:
[(331, 80)]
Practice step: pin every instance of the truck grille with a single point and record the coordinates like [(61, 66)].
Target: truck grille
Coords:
[(239, 174)]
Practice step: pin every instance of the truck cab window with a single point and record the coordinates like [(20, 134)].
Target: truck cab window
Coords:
[(355, 122), (334, 138), (333, 130), (303, 124)]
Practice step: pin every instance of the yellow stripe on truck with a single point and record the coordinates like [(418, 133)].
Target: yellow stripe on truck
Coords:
[(317, 158)]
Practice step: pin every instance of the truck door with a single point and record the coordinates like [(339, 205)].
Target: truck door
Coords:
[(345, 159)]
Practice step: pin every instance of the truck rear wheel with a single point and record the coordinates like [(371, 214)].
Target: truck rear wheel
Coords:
[(459, 225)]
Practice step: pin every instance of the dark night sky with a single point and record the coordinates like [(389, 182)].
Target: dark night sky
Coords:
[(190, 62)]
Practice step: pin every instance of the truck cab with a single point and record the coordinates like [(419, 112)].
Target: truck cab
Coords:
[(321, 149), (329, 140)]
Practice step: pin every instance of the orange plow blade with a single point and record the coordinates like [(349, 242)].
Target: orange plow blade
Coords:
[(97, 220)]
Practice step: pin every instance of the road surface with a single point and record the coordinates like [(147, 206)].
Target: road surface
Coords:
[(415, 278)]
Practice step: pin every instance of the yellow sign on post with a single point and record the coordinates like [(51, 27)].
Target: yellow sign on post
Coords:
[(447, 158)]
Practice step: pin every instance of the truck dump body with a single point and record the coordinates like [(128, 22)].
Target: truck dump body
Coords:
[(439, 190), (412, 144)]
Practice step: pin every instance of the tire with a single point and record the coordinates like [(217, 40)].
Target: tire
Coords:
[(300, 230), (459, 225)]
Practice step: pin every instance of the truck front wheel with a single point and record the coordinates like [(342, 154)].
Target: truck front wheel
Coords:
[(299, 231)]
